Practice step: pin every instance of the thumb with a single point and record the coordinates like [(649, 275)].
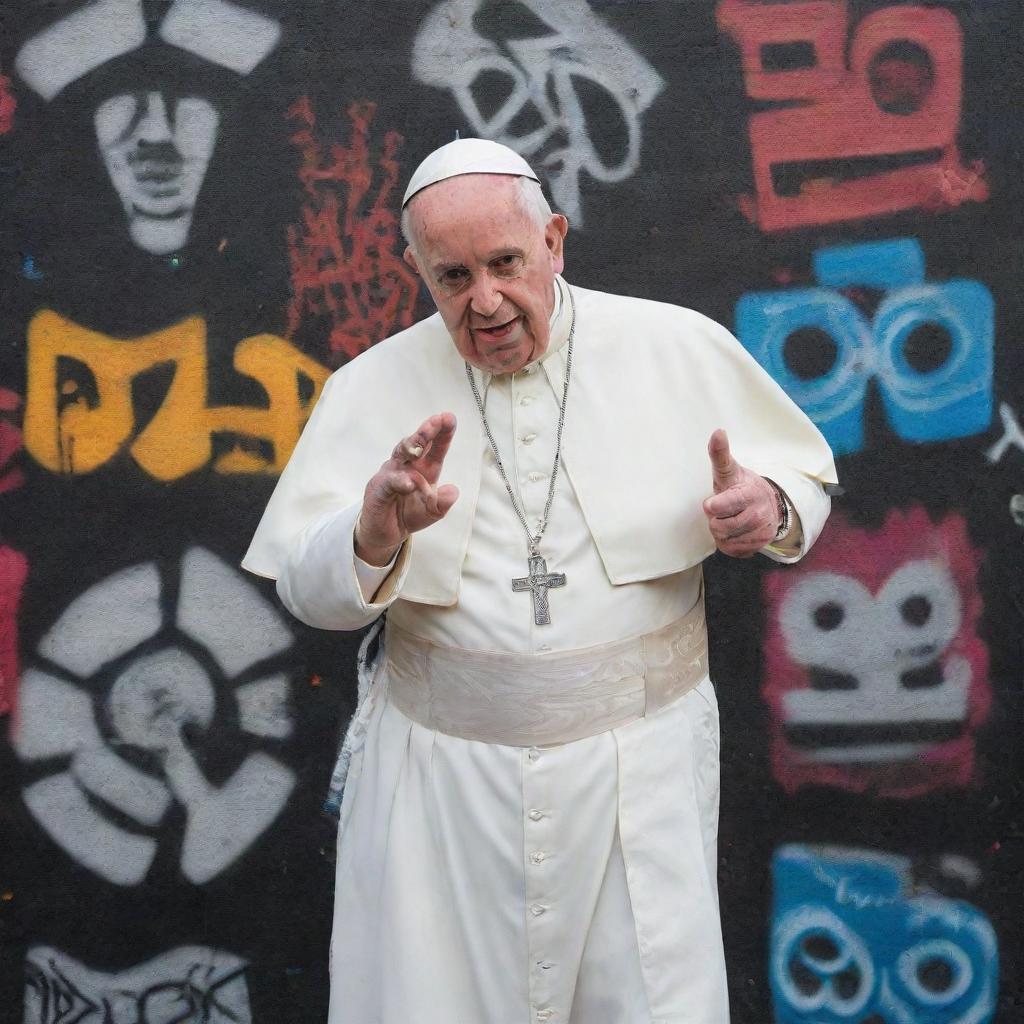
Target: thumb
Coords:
[(725, 471), (447, 495)]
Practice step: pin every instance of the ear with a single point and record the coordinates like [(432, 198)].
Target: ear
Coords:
[(410, 257), (554, 238)]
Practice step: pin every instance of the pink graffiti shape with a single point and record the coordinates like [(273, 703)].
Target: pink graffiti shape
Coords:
[(11, 476), (887, 100), (874, 672), (8, 105), (13, 571), (345, 266)]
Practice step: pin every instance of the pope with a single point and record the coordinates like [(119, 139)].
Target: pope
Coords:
[(529, 825)]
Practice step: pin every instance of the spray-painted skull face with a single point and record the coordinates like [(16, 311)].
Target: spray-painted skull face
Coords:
[(854, 942), (873, 669)]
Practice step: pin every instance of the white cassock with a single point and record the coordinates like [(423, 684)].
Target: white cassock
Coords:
[(511, 883)]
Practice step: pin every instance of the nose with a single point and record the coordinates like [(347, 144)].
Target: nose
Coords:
[(485, 298), (154, 125)]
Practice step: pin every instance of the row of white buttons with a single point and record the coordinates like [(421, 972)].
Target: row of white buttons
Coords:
[(542, 1014)]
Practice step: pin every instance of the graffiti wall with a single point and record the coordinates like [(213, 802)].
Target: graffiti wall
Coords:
[(199, 221)]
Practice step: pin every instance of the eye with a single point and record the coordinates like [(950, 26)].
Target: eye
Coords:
[(916, 610), (829, 615), (507, 265), (453, 277), (922, 604), (828, 619)]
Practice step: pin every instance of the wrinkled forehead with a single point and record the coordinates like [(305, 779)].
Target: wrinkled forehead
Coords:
[(468, 202)]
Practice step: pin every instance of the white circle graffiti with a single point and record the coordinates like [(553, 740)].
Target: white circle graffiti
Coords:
[(122, 696)]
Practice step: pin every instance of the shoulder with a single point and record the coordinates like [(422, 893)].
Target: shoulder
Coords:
[(647, 323), (420, 349)]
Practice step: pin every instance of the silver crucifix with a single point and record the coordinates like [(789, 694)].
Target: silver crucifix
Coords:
[(539, 582)]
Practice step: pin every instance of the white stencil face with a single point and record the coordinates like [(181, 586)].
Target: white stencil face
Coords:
[(156, 153)]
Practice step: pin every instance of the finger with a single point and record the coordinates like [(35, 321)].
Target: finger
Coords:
[(420, 511), (733, 501), (739, 552), (743, 547), (435, 430), (442, 440), (413, 447), (748, 522), (724, 469), (393, 484), (447, 495)]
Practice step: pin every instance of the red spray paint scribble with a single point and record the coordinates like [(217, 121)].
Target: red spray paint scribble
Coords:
[(11, 477), (847, 655), (8, 105), (343, 257), (13, 571), (897, 99)]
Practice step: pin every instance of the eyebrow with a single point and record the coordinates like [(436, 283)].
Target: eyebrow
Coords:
[(440, 268), (505, 250), (502, 250)]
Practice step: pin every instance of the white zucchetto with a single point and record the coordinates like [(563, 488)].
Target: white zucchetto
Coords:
[(467, 156)]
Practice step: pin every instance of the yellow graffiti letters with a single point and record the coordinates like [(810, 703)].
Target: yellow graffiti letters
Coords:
[(80, 411)]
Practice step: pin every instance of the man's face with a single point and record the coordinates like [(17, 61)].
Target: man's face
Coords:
[(489, 266)]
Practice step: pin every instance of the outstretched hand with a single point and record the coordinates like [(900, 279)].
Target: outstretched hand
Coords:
[(403, 496), (743, 513)]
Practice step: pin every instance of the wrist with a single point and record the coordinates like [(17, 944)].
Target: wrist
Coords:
[(372, 554), (784, 512)]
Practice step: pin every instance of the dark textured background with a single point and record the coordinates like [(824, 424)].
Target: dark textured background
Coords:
[(673, 230)]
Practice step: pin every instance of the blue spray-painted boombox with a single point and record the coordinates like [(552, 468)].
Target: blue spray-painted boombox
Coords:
[(854, 941), (947, 393)]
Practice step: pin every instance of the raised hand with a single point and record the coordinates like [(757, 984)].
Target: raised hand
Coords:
[(403, 496), (743, 513)]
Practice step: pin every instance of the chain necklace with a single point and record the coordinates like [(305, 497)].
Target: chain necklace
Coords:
[(538, 580)]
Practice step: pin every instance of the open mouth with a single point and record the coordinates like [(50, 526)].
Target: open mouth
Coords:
[(498, 332)]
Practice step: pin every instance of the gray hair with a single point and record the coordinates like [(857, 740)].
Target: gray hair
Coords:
[(530, 193)]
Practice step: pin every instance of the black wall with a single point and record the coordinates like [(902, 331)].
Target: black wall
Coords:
[(160, 352)]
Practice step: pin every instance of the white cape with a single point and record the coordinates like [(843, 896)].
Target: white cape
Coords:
[(620, 410)]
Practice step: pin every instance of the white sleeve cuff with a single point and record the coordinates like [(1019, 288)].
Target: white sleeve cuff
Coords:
[(371, 577)]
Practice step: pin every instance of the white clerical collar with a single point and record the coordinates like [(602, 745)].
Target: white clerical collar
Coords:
[(558, 327), (558, 334)]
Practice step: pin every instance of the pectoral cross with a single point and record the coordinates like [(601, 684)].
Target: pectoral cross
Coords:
[(539, 582)]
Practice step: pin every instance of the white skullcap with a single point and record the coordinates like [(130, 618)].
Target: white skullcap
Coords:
[(467, 156)]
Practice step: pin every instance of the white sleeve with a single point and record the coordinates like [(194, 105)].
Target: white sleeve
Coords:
[(320, 582)]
